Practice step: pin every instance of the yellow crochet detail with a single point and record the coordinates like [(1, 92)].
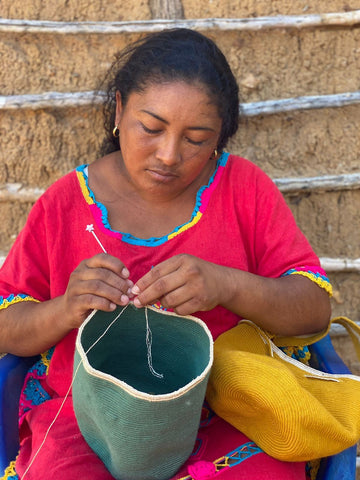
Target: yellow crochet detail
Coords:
[(320, 281), (301, 354), (46, 361), (314, 468), (84, 188), (6, 303), (186, 227), (9, 471), (219, 464)]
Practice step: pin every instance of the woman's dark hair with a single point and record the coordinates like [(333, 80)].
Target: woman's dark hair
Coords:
[(172, 55)]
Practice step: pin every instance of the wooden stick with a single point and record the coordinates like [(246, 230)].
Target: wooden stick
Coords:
[(17, 192), (340, 264), (251, 109), (345, 19), (269, 107), (324, 183), (50, 100), (340, 331)]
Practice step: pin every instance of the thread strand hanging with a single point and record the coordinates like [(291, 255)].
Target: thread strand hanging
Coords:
[(68, 391), (149, 347), (90, 229)]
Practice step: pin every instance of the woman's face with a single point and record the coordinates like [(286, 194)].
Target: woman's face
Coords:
[(168, 134)]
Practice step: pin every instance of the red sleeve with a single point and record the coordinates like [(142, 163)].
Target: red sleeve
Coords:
[(280, 247), (25, 272)]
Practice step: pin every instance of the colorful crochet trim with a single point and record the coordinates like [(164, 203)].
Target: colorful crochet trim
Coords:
[(302, 354), (10, 473), (312, 469), (11, 299), (33, 393), (100, 212), (315, 274), (203, 470)]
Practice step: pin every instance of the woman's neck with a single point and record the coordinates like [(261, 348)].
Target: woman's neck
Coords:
[(130, 211)]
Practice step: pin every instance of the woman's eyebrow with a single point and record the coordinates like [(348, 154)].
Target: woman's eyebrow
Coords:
[(156, 116), (167, 123)]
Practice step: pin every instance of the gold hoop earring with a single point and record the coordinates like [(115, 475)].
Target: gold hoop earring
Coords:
[(215, 153), (116, 131)]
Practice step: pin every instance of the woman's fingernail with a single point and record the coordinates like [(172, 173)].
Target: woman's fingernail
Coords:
[(137, 303), (124, 299), (125, 272), (135, 290), (112, 306)]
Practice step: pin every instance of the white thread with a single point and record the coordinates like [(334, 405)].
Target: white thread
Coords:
[(90, 228), (68, 392), (149, 356), (149, 345)]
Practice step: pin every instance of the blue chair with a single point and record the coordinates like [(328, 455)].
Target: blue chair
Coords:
[(343, 465), (13, 370), (12, 373)]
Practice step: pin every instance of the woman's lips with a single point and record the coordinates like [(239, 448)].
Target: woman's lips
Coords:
[(161, 175)]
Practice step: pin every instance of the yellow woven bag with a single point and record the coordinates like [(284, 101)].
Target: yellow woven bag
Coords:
[(292, 411)]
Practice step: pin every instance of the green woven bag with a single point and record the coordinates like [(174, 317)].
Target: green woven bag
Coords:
[(142, 426)]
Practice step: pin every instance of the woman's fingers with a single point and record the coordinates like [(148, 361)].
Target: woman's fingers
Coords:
[(183, 283), (107, 269), (94, 278), (99, 288), (162, 279), (107, 262), (100, 282)]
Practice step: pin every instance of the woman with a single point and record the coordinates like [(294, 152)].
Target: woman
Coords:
[(207, 234)]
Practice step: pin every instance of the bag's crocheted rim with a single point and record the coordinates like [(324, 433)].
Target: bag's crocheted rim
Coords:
[(133, 391), (309, 371)]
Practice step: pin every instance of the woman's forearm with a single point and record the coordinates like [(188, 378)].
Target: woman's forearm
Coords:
[(291, 305), (30, 328), (98, 283)]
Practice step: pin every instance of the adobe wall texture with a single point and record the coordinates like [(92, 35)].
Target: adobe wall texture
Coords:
[(116, 10)]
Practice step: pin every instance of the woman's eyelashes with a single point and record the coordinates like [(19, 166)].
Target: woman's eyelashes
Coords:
[(193, 142), (151, 131)]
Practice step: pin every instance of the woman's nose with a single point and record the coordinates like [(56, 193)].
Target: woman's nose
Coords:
[(168, 150)]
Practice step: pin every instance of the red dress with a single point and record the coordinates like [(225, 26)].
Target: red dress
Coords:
[(240, 220)]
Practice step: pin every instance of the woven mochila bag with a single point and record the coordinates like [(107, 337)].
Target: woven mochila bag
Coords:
[(291, 410), (139, 386)]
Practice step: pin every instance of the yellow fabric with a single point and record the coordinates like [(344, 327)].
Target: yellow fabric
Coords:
[(292, 411)]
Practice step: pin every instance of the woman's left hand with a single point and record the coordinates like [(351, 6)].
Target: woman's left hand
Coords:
[(290, 305), (183, 283)]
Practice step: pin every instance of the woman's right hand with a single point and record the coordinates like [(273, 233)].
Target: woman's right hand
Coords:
[(29, 328), (100, 282)]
